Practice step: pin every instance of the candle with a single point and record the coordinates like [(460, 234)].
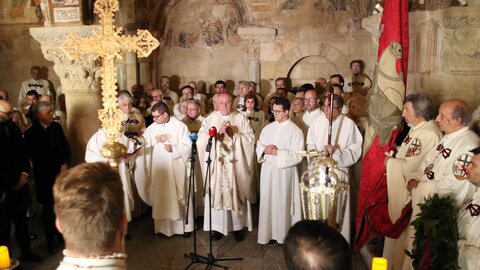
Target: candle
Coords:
[(4, 257), (379, 263)]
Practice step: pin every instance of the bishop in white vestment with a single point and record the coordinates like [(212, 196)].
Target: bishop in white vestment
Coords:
[(280, 205), (162, 172), (345, 147), (231, 168)]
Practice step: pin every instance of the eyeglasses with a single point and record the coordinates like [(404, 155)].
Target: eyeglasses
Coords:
[(277, 112), (310, 100), (9, 114), (157, 116)]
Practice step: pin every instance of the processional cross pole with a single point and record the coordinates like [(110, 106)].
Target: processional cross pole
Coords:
[(108, 45)]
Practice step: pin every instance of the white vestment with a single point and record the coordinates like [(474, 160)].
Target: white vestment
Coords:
[(280, 205), (231, 172), (469, 233), (257, 122), (443, 171), (420, 140), (347, 141), (309, 117), (93, 154), (41, 86), (162, 176)]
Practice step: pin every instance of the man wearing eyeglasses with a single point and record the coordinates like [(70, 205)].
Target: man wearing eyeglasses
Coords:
[(311, 105), (345, 146), (161, 172), (14, 174), (277, 150)]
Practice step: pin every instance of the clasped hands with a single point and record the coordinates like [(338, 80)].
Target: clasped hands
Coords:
[(271, 150), (225, 129)]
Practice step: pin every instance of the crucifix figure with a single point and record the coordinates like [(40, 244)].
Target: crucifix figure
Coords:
[(108, 45)]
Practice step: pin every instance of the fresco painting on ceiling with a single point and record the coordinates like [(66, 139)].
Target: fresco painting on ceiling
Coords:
[(21, 11)]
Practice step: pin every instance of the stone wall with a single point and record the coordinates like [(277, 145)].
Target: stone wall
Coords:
[(18, 52), (201, 41), (447, 63)]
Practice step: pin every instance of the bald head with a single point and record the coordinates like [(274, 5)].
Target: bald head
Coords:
[(6, 110), (224, 103), (453, 115)]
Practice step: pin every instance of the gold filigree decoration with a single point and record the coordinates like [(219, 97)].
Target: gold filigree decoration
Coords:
[(108, 45)]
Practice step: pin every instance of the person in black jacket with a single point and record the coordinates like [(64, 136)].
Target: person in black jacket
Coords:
[(49, 152), (14, 174)]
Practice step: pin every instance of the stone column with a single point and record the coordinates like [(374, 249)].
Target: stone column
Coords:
[(254, 36), (121, 73), (80, 82), (131, 68), (145, 72)]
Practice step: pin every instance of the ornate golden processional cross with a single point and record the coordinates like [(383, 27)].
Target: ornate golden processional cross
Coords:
[(109, 45)]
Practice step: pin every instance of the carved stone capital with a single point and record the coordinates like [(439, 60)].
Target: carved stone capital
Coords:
[(254, 36), (77, 76), (371, 24)]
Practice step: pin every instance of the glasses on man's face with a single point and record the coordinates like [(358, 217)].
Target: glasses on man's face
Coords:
[(9, 114), (276, 111), (309, 100), (155, 117)]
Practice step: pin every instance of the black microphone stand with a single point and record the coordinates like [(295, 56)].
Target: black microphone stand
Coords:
[(194, 257), (211, 258)]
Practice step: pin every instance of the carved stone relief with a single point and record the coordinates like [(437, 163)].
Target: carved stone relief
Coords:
[(461, 53), (82, 76)]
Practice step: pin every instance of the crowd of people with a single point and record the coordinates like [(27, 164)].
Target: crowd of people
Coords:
[(247, 149)]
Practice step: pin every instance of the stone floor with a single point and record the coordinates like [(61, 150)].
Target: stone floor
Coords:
[(148, 251)]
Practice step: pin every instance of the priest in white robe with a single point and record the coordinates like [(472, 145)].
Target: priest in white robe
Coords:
[(93, 154), (231, 169), (162, 172), (345, 147), (424, 134), (469, 219), (276, 149)]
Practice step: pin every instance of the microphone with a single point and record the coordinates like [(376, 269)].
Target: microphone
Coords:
[(213, 133), (193, 138)]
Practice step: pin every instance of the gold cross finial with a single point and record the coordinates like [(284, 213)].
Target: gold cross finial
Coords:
[(108, 45)]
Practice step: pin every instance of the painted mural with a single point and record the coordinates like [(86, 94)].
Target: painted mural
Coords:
[(21, 12)]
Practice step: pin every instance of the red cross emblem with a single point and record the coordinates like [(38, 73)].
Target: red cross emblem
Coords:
[(460, 166)]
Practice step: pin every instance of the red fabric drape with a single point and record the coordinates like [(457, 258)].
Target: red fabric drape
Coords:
[(372, 218)]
